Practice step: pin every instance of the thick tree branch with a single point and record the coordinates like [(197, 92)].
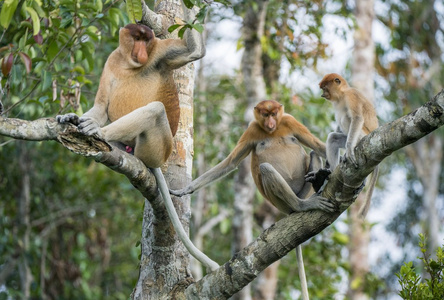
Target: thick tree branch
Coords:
[(276, 241), (343, 187), (115, 159)]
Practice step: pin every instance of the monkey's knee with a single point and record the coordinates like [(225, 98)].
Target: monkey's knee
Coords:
[(266, 169), (156, 108)]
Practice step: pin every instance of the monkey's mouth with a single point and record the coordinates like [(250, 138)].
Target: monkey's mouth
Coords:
[(325, 95)]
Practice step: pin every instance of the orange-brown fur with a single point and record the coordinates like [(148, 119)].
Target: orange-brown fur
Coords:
[(278, 145), (137, 94)]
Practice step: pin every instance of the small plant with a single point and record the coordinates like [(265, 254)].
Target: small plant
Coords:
[(412, 287)]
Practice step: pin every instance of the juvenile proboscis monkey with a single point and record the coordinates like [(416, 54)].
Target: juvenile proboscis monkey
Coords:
[(278, 162), (356, 117), (137, 95)]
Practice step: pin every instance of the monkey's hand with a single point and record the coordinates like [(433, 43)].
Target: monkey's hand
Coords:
[(318, 202), (181, 192), (89, 126), (68, 118), (317, 178)]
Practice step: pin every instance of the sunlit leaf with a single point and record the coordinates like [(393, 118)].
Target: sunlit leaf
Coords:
[(134, 10), (8, 10), (26, 61), (35, 20)]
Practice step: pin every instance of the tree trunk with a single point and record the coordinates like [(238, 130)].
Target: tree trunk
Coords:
[(24, 202), (363, 62), (426, 156), (164, 259), (251, 66)]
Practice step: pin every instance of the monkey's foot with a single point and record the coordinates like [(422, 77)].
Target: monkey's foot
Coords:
[(318, 178)]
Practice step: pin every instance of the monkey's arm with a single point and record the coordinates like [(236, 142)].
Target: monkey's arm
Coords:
[(97, 116), (354, 131), (307, 138), (180, 52), (223, 168)]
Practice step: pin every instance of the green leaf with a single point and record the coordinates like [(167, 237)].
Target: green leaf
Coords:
[(47, 80), (182, 31), (340, 238), (198, 27), (35, 20), (224, 2), (173, 27), (8, 10), (134, 10), (188, 4)]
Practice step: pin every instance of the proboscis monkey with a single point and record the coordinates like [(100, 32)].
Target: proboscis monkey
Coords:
[(356, 117), (278, 162), (137, 95)]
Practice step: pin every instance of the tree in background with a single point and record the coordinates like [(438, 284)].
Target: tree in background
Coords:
[(58, 231), (411, 64), (362, 74)]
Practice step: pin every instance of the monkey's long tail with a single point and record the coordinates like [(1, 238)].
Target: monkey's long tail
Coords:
[(196, 253), (302, 277), (368, 198)]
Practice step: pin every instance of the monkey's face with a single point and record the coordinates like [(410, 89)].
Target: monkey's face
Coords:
[(326, 92), (268, 114), (135, 39)]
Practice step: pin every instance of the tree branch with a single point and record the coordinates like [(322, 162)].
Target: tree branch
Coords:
[(343, 188), (48, 129)]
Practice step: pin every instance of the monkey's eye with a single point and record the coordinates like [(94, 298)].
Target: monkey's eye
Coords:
[(137, 38), (337, 80), (273, 114), (265, 115)]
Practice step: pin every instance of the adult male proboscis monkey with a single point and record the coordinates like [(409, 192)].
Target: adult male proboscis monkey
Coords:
[(278, 164), (138, 96), (356, 117)]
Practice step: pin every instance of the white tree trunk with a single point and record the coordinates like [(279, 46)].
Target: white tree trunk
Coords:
[(164, 260), (363, 61)]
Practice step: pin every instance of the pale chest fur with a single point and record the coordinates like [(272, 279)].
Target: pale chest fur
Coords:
[(285, 154), (342, 117)]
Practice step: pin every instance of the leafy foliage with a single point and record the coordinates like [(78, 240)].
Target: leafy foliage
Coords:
[(82, 236), (412, 287)]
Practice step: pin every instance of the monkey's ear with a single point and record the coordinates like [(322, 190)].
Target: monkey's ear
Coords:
[(337, 80)]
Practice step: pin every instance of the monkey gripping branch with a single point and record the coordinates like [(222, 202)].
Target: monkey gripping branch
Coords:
[(275, 242)]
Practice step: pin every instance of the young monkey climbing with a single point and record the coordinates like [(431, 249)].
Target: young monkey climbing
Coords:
[(356, 117)]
